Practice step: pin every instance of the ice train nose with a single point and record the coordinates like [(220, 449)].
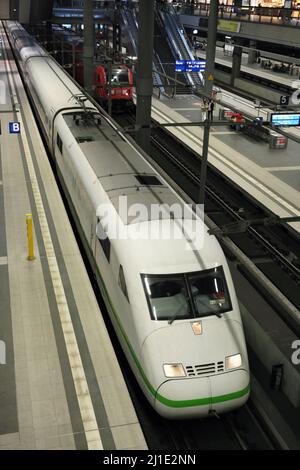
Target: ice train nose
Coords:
[(199, 396)]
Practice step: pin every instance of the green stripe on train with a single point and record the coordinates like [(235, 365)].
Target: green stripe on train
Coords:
[(203, 401)]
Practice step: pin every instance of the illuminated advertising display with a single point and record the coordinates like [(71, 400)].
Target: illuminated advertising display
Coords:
[(285, 119)]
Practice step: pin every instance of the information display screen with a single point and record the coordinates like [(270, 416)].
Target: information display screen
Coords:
[(229, 48), (285, 119), (190, 65), (180, 66)]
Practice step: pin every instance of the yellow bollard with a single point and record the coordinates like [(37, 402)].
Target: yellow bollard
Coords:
[(30, 256)]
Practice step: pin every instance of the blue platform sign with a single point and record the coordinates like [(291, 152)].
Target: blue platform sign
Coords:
[(14, 128), (180, 66), (190, 65)]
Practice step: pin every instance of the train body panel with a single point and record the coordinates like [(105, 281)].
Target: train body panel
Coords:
[(24, 44), (60, 92), (171, 301)]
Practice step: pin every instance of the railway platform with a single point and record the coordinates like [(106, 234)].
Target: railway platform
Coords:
[(269, 176), (253, 69), (61, 386)]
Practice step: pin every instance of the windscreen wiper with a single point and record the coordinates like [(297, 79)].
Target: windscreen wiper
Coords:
[(170, 321)]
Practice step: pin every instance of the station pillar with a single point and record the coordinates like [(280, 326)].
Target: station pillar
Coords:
[(211, 47), (144, 82), (117, 32), (252, 53), (5, 9), (236, 62)]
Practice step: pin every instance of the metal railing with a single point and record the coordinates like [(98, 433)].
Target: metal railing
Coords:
[(276, 16)]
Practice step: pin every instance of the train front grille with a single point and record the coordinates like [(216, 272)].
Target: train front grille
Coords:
[(205, 369)]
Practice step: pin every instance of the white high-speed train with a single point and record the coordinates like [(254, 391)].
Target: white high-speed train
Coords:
[(174, 309)]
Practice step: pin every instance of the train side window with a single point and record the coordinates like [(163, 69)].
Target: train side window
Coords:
[(103, 240), (122, 282), (59, 143)]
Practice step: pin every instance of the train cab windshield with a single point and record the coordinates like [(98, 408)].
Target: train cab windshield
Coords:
[(183, 296), (119, 77)]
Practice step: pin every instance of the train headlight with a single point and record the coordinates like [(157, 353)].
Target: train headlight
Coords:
[(174, 370), (233, 362)]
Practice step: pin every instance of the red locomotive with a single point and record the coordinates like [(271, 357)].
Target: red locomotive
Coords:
[(121, 84)]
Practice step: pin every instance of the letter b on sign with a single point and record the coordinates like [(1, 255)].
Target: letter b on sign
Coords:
[(14, 128)]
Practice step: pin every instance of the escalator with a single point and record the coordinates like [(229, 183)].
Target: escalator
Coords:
[(165, 57), (169, 45), (165, 52), (131, 27), (178, 41)]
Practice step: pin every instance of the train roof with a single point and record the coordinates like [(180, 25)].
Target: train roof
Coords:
[(121, 170), (167, 255), (26, 44)]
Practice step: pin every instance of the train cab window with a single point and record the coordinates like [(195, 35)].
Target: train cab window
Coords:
[(122, 282), (103, 240), (167, 297), (188, 295), (119, 76), (209, 292), (59, 143)]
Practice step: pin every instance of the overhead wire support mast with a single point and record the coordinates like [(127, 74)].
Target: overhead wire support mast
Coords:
[(89, 45)]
